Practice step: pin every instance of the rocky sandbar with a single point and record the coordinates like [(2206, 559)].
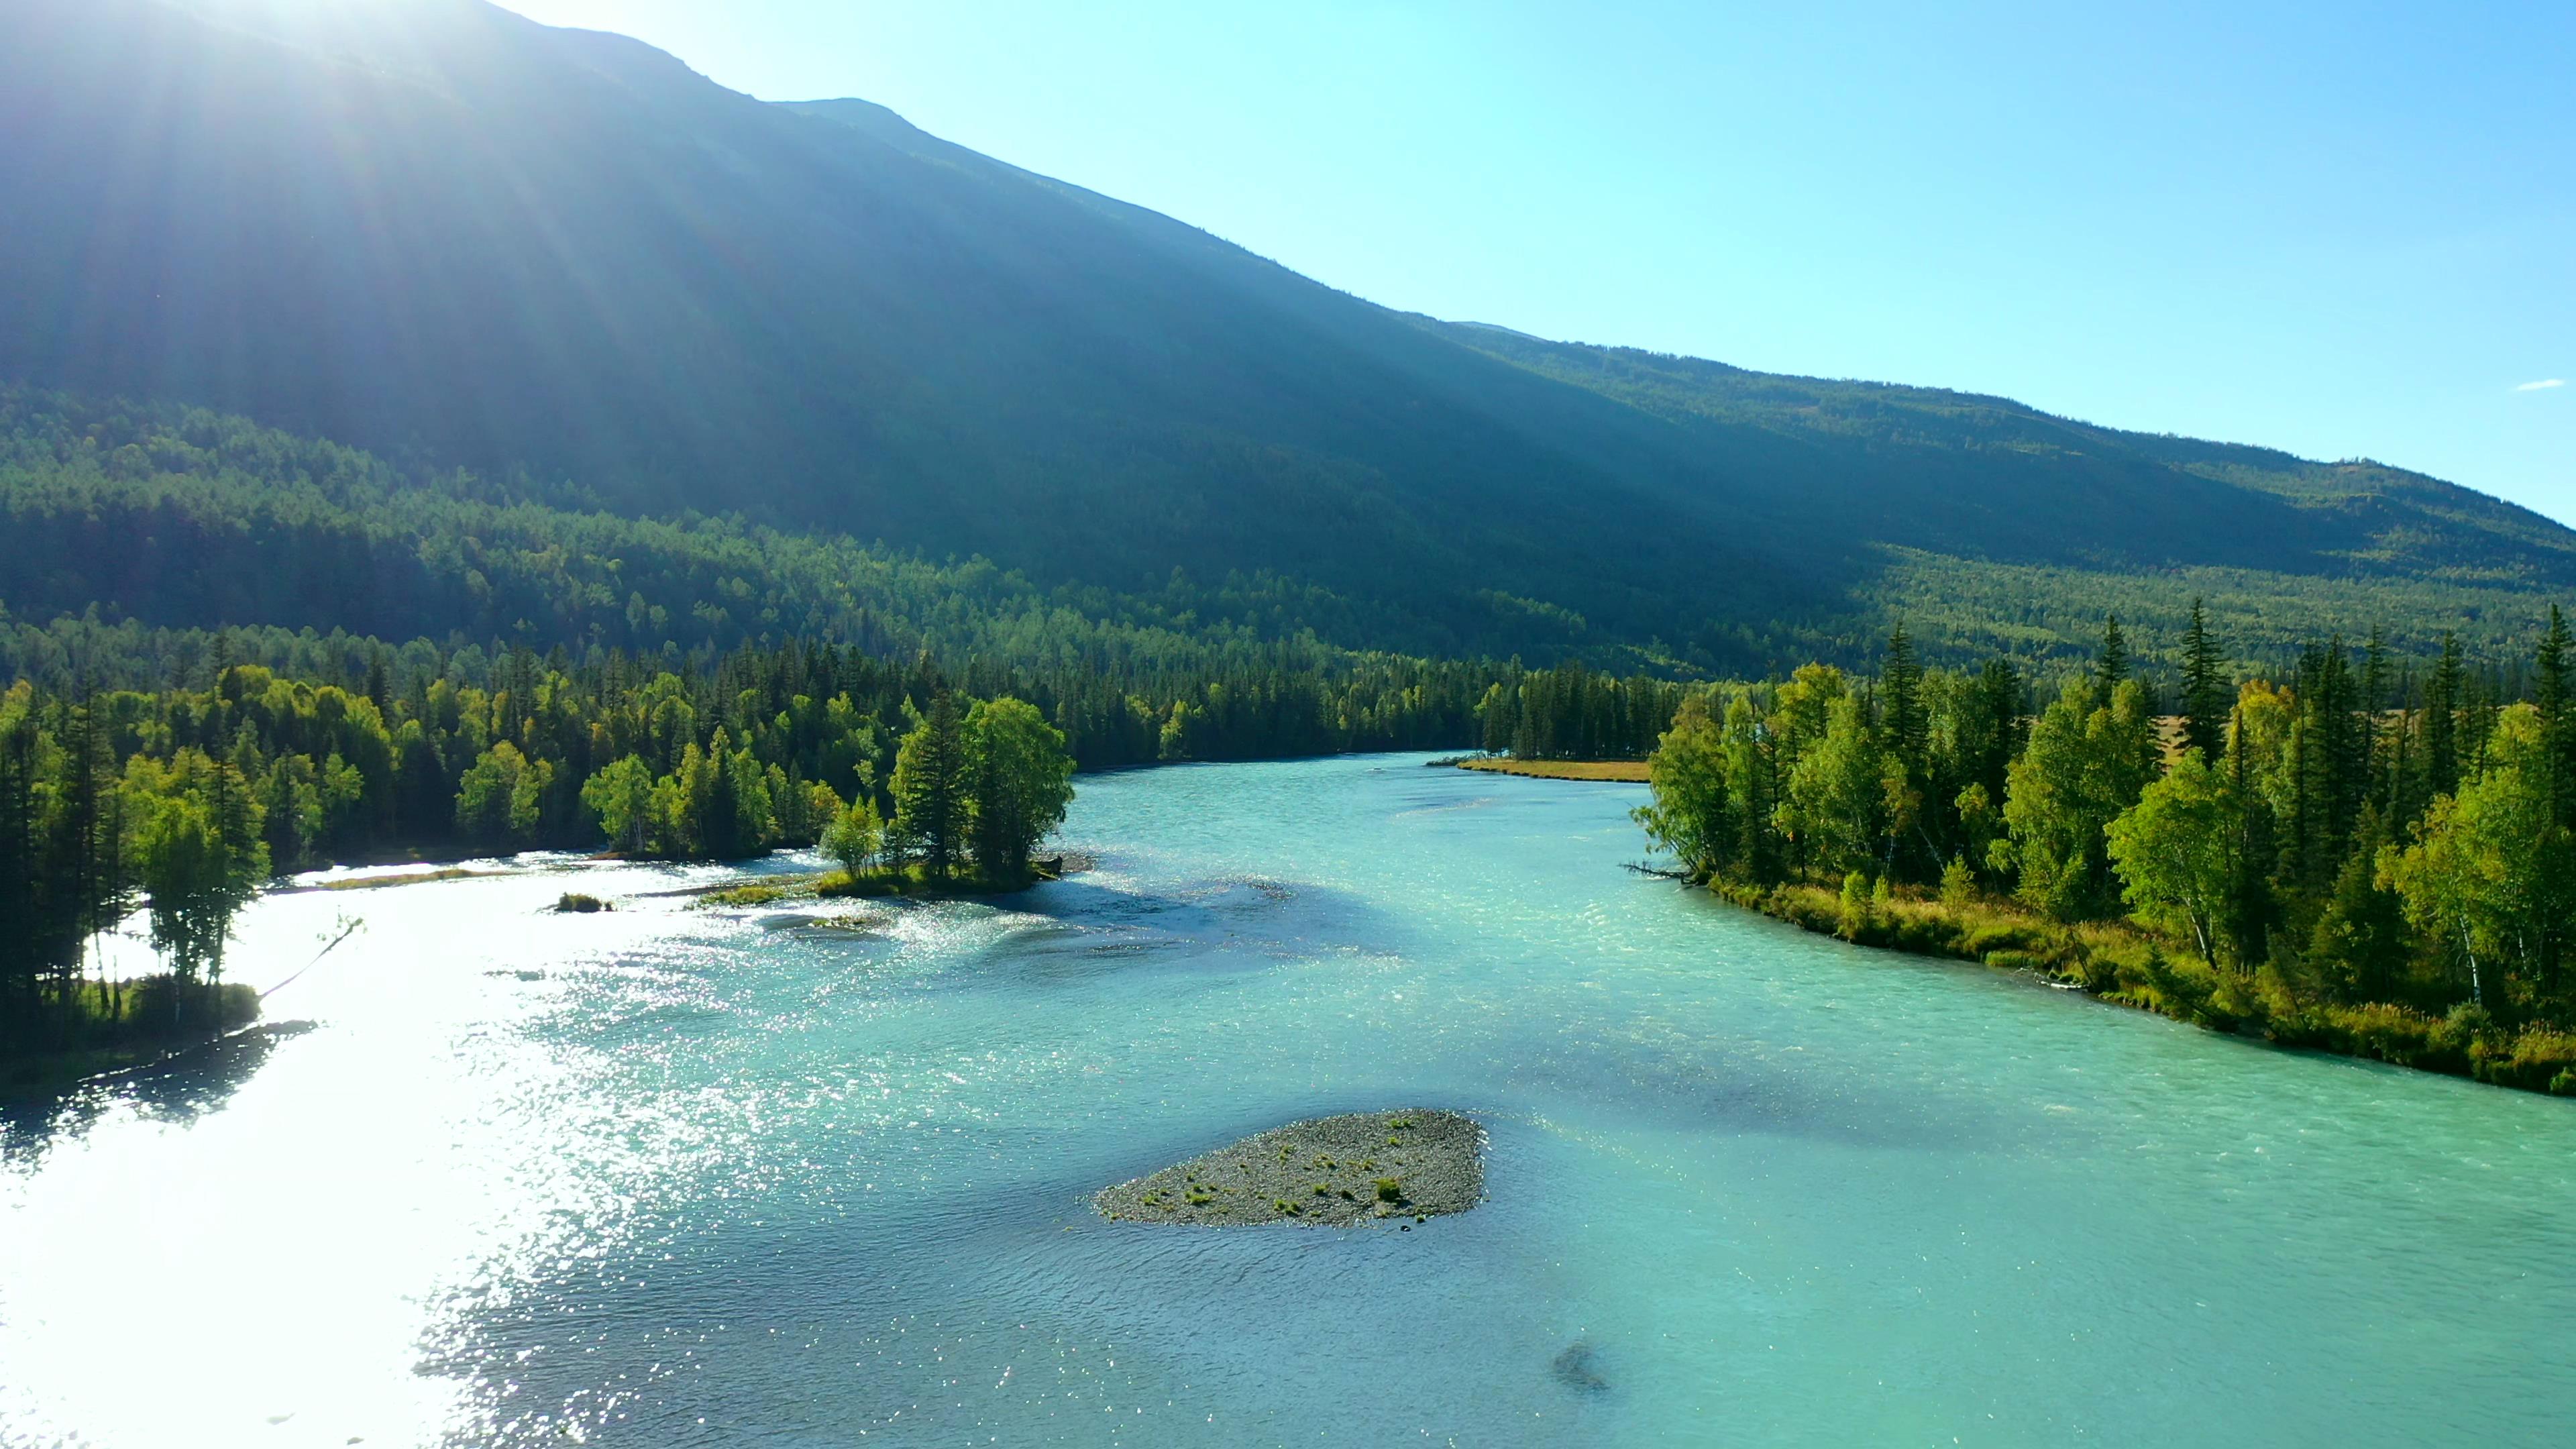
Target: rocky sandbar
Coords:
[(1397, 1166)]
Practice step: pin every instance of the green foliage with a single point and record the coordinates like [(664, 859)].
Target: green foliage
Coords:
[(620, 795), (1572, 713), (1847, 798), (2178, 851), (855, 837), (1691, 814), (2086, 761), (934, 790), (1958, 883), (497, 797), (198, 855), (1855, 915), (2491, 875), (1023, 780), (2328, 889)]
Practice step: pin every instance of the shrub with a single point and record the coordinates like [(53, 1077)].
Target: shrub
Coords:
[(1958, 884), (1852, 912), (151, 1011), (574, 902), (1984, 937), (1389, 1190), (2539, 1059)]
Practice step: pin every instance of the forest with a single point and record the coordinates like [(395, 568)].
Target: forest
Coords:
[(184, 799), (2357, 856)]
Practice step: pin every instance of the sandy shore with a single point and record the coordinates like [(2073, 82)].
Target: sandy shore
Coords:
[(1400, 1167)]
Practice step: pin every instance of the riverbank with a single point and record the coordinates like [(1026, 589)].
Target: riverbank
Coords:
[(112, 1027), (2121, 964), (1625, 772)]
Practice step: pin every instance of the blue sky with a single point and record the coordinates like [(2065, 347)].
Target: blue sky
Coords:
[(2342, 229)]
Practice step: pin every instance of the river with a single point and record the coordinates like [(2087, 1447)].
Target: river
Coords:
[(674, 1176)]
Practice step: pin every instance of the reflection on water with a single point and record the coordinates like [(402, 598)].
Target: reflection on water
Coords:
[(178, 1088), (668, 1175)]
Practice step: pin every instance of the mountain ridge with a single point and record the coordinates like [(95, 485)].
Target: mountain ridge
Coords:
[(564, 255)]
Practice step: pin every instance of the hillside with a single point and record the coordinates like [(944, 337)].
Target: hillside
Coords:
[(563, 261)]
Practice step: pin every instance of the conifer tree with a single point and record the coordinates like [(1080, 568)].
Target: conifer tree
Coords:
[(2111, 668), (2552, 692), (1902, 718), (933, 792), (2442, 721), (2206, 697)]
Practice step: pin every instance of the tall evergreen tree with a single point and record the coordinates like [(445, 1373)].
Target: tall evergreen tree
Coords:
[(2552, 691), (933, 789), (2206, 697), (2251, 908), (1903, 720), (2442, 701), (2111, 667)]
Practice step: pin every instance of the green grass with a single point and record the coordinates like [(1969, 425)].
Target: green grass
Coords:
[(1622, 771), (758, 893), (915, 880)]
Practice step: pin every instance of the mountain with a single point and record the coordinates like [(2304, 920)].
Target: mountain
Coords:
[(560, 259)]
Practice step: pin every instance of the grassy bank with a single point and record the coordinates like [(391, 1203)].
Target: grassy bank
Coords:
[(911, 882), (1626, 772), (2122, 964), (105, 1028)]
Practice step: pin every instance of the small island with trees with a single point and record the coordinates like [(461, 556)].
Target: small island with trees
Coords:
[(185, 804)]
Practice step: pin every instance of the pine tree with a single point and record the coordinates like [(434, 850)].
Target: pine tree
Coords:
[(933, 797), (1999, 729), (2557, 718), (2205, 695), (2442, 703), (1903, 720), (2251, 906), (2111, 670)]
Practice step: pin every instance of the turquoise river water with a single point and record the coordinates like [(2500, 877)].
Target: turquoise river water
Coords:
[(672, 1176)]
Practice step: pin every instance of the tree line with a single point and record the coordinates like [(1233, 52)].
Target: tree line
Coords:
[(2355, 832), (183, 800)]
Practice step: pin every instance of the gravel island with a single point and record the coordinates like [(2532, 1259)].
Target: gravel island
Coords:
[(1400, 1166)]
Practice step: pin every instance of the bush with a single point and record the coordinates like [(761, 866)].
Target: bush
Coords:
[(1852, 914), (150, 1008), (2539, 1059), (1389, 1190), (1958, 883), (1986, 936), (576, 903)]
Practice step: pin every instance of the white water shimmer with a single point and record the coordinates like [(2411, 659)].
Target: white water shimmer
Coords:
[(669, 1177)]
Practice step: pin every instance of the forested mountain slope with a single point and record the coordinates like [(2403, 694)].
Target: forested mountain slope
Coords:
[(440, 232)]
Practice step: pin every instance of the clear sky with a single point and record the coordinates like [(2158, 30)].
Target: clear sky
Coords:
[(2345, 229)]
